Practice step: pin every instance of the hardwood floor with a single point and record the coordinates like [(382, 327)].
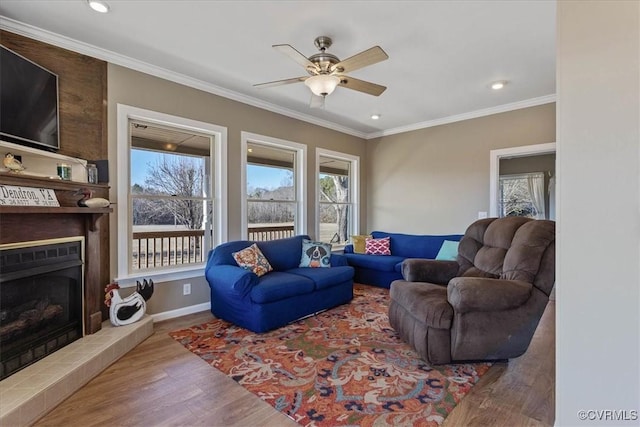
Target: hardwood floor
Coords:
[(161, 383)]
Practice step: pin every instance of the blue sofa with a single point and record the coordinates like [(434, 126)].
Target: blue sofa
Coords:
[(381, 270), (279, 297)]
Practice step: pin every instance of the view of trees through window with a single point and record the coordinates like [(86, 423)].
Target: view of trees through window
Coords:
[(515, 197), (171, 205), (334, 208)]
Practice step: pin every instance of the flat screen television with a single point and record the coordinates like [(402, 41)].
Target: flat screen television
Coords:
[(28, 102)]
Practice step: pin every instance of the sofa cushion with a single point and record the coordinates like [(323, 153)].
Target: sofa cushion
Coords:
[(380, 263), (315, 254), (359, 243), (377, 246), (325, 277), (448, 251), (252, 259), (279, 285), (223, 253), (283, 254), (415, 246)]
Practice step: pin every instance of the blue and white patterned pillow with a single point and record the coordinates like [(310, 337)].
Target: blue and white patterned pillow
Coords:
[(315, 254)]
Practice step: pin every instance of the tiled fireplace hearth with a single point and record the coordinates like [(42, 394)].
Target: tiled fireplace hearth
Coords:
[(32, 392)]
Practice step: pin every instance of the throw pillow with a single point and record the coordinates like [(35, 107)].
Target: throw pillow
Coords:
[(315, 254), (359, 243), (448, 251), (378, 246), (252, 259)]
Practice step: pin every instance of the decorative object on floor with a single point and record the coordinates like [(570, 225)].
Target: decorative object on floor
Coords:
[(12, 164), (124, 311), (345, 366), (90, 202)]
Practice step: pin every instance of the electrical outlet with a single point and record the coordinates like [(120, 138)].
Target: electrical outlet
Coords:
[(186, 289)]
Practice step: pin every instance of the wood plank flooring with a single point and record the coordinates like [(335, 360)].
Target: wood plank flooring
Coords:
[(160, 383)]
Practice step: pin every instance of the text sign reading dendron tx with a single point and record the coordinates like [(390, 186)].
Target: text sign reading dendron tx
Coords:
[(27, 196)]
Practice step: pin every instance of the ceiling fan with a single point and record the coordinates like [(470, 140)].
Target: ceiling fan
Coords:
[(327, 71)]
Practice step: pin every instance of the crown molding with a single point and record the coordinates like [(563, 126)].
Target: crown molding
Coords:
[(144, 67), (45, 36), (547, 99)]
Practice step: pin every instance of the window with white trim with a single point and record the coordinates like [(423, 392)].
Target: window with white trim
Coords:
[(337, 196), (170, 196), (273, 187), (522, 195)]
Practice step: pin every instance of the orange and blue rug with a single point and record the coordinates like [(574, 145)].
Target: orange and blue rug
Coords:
[(342, 367)]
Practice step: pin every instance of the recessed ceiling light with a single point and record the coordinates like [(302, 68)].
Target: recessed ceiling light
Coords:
[(498, 85), (375, 116), (98, 6)]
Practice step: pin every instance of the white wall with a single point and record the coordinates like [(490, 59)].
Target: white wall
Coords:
[(598, 274)]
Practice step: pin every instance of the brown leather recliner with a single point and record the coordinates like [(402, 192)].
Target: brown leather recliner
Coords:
[(487, 304)]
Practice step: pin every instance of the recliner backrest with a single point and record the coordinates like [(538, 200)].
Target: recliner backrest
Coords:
[(512, 248)]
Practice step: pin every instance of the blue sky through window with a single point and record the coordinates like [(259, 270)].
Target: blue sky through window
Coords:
[(257, 176)]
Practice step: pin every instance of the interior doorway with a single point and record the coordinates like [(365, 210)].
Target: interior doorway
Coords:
[(518, 153)]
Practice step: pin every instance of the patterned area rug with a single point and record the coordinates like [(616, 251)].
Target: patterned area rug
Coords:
[(344, 367)]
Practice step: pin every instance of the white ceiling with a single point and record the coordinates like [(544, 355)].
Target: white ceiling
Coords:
[(442, 54)]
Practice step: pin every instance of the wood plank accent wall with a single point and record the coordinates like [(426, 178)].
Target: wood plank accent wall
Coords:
[(82, 85)]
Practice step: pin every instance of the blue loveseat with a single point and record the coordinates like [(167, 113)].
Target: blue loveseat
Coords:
[(281, 296), (381, 270)]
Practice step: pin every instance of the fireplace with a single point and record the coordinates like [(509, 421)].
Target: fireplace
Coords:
[(41, 300)]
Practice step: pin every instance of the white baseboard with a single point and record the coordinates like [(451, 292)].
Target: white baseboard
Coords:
[(166, 315)]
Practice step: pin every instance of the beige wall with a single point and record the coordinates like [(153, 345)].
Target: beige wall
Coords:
[(436, 180), (126, 86), (598, 233)]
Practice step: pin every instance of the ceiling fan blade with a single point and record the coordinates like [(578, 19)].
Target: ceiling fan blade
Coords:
[(317, 101), (281, 82), (296, 56), (360, 60), (361, 86)]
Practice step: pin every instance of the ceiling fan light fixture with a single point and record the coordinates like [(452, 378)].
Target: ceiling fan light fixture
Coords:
[(322, 84), (375, 116)]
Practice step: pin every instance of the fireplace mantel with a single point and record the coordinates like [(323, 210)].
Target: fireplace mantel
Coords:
[(28, 223)]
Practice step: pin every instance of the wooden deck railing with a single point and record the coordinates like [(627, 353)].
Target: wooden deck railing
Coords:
[(271, 232), (182, 247), (167, 248)]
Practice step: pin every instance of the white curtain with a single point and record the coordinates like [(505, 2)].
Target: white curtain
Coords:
[(536, 190)]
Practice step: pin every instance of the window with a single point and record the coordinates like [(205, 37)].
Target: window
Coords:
[(273, 187), (337, 189), (170, 195), (522, 195)]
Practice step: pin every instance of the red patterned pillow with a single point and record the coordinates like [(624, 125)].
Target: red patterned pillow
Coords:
[(378, 246)]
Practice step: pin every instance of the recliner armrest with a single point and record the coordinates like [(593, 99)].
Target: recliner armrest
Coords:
[(467, 294), (429, 270)]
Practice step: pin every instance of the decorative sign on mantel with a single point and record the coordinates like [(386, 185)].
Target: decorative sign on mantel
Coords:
[(11, 195)]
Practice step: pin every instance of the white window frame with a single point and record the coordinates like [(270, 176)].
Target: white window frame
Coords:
[(299, 176), (354, 186), (522, 176), (218, 165)]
